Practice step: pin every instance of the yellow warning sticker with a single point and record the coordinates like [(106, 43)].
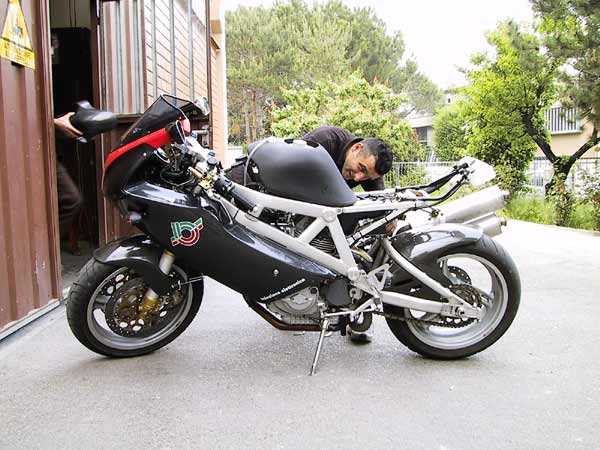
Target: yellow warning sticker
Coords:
[(15, 44)]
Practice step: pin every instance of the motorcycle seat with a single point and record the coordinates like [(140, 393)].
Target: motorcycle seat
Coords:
[(91, 121)]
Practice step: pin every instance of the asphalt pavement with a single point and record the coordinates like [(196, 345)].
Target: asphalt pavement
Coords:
[(231, 381)]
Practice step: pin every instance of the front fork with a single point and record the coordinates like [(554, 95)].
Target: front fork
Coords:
[(150, 302)]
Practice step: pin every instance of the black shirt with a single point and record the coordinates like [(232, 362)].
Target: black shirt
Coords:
[(337, 142)]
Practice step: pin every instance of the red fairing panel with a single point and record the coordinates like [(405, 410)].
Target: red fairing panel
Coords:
[(155, 140)]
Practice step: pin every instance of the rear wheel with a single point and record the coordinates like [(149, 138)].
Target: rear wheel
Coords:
[(483, 274), (102, 310)]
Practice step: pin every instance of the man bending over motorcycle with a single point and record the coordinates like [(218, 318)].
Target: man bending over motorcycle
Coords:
[(361, 161)]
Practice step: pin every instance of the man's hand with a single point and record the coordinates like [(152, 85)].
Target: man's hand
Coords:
[(391, 227), (63, 124)]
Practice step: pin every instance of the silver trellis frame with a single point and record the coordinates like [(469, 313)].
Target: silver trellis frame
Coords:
[(345, 265)]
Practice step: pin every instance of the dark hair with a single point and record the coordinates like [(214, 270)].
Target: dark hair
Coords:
[(383, 154)]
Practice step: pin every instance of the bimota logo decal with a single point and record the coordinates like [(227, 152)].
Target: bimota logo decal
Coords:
[(283, 290), (186, 233)]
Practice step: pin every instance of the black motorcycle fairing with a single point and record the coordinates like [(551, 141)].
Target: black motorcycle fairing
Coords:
[(298, 171), (230, 253), (124, 170), (165, 110), (422, 246), (142, 255)]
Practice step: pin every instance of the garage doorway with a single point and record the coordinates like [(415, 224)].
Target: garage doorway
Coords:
[(73, 81)]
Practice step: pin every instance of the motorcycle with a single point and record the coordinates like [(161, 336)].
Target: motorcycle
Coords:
[(305, 251)]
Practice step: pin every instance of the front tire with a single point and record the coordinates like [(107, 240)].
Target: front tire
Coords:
[(484, 265), (91, 311)]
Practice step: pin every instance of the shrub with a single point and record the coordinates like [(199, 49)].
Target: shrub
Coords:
[(591, 196), (530, 210), (451, 128), (412, 176), (543, 211), (363, 109)]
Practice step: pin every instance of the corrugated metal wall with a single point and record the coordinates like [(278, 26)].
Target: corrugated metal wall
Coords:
[(29, 268), (121, 72), (121, 58), (145, 47), (149, 47), (175, 48)]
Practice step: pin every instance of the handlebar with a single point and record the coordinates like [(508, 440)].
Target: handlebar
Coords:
[(226, 188), (435, 184)]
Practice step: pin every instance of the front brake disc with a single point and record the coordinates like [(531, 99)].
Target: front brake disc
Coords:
[(122, 309)]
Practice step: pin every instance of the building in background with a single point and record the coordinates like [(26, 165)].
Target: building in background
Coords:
[(119, 55), (567, 131)]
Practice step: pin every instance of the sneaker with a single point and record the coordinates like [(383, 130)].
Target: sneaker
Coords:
[(363, 337)]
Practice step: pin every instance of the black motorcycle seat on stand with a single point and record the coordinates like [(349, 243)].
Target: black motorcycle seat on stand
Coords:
[(295, 170), (91, 121)]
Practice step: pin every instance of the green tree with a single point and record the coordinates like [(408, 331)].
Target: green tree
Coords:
[(371, 51), (451, 132), (571, 30), (293, 45), (506, 99), (377, 56), (267, 48), (363, 109), (422, 93), (248, 81)]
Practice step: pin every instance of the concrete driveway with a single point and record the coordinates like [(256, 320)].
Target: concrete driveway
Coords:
[(233, 382)]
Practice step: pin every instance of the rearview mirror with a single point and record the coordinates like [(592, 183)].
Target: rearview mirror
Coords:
[(203, 105), (176, 132), (479, 171)]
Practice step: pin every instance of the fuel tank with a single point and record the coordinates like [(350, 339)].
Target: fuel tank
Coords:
[(296, 170)]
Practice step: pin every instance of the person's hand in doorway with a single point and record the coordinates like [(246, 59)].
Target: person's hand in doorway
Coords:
[(63, 124)]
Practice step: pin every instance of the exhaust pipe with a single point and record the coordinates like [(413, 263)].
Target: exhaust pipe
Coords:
[(477, 209), (490, 224)]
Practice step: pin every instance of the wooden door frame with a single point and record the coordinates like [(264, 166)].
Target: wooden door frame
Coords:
[(99, 99)]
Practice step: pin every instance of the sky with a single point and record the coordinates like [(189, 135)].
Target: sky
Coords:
[(440, 34)]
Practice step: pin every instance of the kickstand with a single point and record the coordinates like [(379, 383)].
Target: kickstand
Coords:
[(324, 326)]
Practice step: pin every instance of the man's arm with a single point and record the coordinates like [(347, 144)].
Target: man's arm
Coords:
[(379, 185)]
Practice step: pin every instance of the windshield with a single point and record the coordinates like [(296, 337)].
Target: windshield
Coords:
[(165, 110)]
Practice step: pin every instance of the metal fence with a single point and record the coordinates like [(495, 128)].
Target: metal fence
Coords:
[(538, 175), (404, 173)]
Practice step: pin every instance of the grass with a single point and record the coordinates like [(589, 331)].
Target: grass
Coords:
[(541, 211)]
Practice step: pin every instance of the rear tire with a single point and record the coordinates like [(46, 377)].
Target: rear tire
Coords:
[(95, 285), (504, 294)]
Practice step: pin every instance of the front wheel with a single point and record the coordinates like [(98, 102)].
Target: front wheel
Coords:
[(102, 310), (481, 273)]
